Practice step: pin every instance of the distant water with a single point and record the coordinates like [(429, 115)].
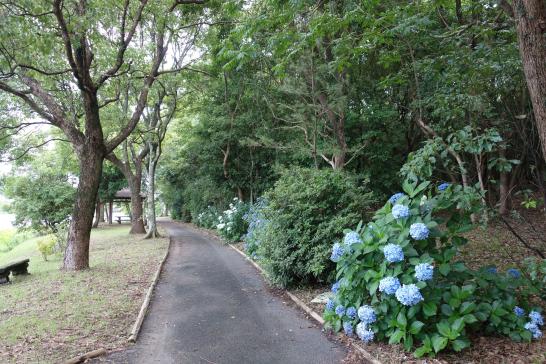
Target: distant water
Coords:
[(6, 220)]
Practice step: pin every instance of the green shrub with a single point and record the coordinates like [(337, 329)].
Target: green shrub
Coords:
[(399, 278), (46, 245), (306, 211)]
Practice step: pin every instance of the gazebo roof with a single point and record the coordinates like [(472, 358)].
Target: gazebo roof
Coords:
[(125, 194)]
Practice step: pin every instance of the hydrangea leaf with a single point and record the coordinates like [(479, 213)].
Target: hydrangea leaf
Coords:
[(396, 337), (429, 309), (415, 327), (439, 342)]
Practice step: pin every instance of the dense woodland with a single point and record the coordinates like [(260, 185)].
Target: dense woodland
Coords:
[(382, 90)]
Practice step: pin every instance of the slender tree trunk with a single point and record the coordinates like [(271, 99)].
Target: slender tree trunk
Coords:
[(76, 256), (101, 212), (152, 223), (110, 212), (97, 215), (504, 189), (530, 17)]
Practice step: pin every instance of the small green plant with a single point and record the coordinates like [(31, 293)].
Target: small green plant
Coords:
[(46, 245), (400, 279)]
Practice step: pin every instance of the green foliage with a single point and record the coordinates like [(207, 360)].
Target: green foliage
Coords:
[(456, 303), (305, 213), (40, 199), (46, 245), (9, 239)]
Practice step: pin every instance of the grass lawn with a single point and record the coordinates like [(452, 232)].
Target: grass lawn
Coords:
[(50, 316)]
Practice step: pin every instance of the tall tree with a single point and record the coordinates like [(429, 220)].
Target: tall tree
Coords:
[(62, 61), (530, 17)]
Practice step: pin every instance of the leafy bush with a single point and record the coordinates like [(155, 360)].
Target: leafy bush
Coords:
[(305, 213), (231, 224), (46, 245), (208, 219), (399, 278)]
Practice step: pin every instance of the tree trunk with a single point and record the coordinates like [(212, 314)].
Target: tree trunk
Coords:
[(76, 256), (504, 189), (530, 17), (152, 223), (137, 219), (110, 212), (101, 212)]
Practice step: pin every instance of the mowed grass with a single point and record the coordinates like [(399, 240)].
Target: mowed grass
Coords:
[(50, 315)]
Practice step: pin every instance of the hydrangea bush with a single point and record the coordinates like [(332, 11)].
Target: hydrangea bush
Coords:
[(257, 223), (402, 274), (231, 225), (208, 218)]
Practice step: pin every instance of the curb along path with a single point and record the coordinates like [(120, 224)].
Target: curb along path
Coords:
[(210, 306)]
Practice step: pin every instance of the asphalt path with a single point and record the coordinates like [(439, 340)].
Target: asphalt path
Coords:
[(212, 306)]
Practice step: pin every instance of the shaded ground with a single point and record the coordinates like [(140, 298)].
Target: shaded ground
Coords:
[(50, 316), (211, 306)]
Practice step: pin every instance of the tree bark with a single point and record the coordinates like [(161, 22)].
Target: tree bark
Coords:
[(76, 256), (530, 17)]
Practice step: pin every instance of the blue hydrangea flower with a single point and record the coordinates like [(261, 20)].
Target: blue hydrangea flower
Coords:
[(514, 273), (400, 211), (396, 197), (366, 314), (419, 231), (337, 252), (389, 285), (340, 310), (519, 311), (348, 328), (532, 327), (424, 272), (351, 313), (330, 304), (364, 333), (492, 270), (443, 186), (536, 318), (393, 253), (409, 295), (351, 238), (335, 287)]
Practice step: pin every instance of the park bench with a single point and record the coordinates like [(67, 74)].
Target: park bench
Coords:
[(119, 219), (17, 268)]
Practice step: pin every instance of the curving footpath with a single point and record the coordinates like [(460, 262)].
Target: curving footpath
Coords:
[(211, 306)]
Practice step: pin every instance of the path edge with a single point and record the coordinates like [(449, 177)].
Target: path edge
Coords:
[(367, 355), (147, 300)]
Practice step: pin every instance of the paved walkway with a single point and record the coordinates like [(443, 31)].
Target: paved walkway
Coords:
[(212, 306)]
